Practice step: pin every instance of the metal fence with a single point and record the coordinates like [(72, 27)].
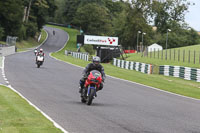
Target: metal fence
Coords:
[(79, 55), (11, 41), (180, 55)]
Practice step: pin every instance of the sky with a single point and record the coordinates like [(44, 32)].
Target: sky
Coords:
[(193, 16)]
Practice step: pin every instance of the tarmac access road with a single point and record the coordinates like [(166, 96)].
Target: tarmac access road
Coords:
[(121, 107)]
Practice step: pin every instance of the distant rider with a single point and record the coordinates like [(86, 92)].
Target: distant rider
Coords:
[(35, 51), (40, 52), (95, 65)]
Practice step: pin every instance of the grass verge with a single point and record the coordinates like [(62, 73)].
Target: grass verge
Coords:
[(182, 56), (30, 43), (1, 42), (1, 61), (17, 116), (171, 84)]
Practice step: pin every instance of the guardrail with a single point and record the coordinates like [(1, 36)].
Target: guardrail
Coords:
[(141, 67), (4, 51), (186, 73), (79, 55), (64, 25)]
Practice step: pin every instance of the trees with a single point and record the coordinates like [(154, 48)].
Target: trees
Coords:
[(40, 10), (59, 13), (23, 18), (131, 20), (1, 32), (93, 19), (11, 14), (125, 19), (169, 14), (101, 17), (71, 7)]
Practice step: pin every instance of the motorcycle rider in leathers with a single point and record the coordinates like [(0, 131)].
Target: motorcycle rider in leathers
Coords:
[(95, 65), (40, 53)]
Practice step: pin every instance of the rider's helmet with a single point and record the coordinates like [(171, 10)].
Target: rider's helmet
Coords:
[(96, 60), (41, 50)]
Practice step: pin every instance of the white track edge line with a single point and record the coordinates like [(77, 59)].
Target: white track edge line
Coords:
[(45, 115)]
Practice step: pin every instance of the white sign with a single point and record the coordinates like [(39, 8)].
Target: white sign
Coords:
[(101, 40)]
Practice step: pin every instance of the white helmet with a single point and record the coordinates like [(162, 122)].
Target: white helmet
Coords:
[(96, 60)]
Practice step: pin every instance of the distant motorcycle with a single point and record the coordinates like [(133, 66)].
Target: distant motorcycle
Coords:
[(39, 60), (91, 86), (35, 52)]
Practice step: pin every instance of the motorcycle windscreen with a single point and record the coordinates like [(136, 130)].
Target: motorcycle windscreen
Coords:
[(96, 73), (40, 58)]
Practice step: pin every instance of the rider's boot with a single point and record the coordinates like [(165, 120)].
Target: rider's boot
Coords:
[(81, 86)]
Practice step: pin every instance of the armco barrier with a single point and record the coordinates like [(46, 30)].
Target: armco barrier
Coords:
[(186, 73), (83, 56), (4, 51), (141, 67)]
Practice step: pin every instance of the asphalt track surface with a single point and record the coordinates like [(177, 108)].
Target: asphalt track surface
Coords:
[(121, 107)]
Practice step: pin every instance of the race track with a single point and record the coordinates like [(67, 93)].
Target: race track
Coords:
[(121, 107)]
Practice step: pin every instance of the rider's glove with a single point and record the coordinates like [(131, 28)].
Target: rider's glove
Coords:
[(85, 76)]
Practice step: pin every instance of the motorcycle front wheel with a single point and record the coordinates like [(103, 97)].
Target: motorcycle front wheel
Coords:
[(38, 65), (90, 97)]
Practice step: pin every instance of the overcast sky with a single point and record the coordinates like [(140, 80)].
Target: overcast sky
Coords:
[(193, 16)]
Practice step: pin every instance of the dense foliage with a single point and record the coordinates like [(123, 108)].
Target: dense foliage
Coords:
[(24, 18), (124, 20)]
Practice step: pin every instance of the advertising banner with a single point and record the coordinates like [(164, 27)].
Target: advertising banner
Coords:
[(101, 40)]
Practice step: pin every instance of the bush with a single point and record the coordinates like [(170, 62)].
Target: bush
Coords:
[(31, 29), (22, 33), (89, 49), (1, 32)]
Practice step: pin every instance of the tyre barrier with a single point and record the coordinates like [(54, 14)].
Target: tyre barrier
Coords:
[(78, 55), (130, 65), (186, 73)]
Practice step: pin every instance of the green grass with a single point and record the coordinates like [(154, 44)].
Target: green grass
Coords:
[(158, 60), (71, 45), (17, 116), (30, 43), (171, 84), (1, 42), (1, 61)]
